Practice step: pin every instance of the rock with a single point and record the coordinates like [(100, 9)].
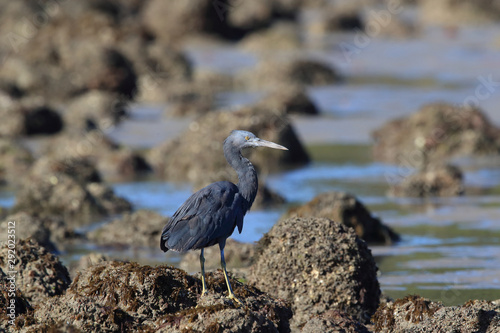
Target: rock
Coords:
[(189, 99), (237, 255), (128, 297), (19, 311), (61, 50), (105, 69), (270, 73), (82, 169), (87, 261), (15, 161), (80, 65), (458, 13), (60, 194), (216, 81), (94, 110), (174, 159), (267, 198), (170, 21), (122, 164), (204, 139), (345, 18), (281, 36), (318, 265), (27, 226), (292, 99), (169, 62), (138, 229), (347, 209), (113, 162), (51, 232), (333, 321), (40, 275), (29, 117), (433, 181), (258, 14), (417, 314), (435, 133)]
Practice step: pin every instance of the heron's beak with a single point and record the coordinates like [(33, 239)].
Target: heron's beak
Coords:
[(269, 144)]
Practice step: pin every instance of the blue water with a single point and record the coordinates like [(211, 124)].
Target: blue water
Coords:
[(450, 248)]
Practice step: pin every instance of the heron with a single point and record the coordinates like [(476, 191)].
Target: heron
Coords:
[(210, 215)]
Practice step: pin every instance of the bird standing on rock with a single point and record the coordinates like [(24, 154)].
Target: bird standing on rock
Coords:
[(209, 216)]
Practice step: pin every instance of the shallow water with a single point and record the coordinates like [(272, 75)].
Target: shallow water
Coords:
[(450, 247)]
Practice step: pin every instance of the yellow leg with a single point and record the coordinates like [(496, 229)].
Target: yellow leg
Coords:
[(203, 282), (229, 289)]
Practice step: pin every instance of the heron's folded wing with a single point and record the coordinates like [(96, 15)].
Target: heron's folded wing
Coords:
[(206, 217)]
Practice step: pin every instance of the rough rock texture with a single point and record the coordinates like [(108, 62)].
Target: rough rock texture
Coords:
[(433, 181), (347, 209), (435, 133), (333, 321), (40, 274), (15, 161), (115, 296), (459, 12), (94, 109), (270, 73), (281, 36), (237, 255), (292, 99), (60, 194), (141, 228), (318, 265), (416, 314)]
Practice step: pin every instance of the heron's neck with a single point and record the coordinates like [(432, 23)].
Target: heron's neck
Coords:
[(247, 176)]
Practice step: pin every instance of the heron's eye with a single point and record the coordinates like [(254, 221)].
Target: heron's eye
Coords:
[(247, 138)]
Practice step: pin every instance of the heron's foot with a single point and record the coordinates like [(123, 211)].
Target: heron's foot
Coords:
[(204, 293), (235, 300)]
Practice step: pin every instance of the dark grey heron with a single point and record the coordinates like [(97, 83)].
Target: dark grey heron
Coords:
[(209, 216)]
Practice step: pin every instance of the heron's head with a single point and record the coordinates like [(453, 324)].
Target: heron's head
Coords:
[(244, 139)]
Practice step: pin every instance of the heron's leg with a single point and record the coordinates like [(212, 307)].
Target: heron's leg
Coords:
[(229, 289), (203, 282)]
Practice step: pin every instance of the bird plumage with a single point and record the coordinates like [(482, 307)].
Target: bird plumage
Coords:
[(206, 218), (209, 216)]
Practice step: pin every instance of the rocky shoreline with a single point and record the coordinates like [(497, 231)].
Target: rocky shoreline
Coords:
[(291, 286), (71, 73)]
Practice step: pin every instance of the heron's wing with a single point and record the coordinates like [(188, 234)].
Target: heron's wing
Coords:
[(209, 215)]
